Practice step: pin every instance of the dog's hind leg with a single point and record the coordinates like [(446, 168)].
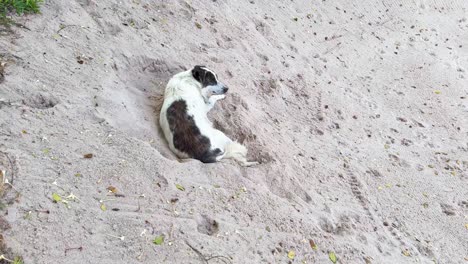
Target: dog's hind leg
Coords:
[(249, 163), (238, 152)]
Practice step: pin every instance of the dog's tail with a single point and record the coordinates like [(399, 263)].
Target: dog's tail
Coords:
[(237, 151)]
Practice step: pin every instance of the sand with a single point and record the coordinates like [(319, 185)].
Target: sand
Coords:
[(358, 113)]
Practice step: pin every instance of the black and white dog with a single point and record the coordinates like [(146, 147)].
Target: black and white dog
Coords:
[(188, 97)]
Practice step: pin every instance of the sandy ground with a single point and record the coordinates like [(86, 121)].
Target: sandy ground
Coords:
[(357, 111)]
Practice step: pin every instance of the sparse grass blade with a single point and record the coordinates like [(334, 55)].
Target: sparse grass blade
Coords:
[(19, 6)]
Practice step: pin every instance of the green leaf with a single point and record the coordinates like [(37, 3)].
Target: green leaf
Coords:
[(332, 256), (18, 260), (57, 198), (103, 207), (159, 240), (180, 187), (291, 254)]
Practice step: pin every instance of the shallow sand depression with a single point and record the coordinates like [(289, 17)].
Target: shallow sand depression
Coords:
[(358, 113)]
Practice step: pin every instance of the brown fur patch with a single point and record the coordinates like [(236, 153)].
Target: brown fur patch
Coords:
[(187, 137)]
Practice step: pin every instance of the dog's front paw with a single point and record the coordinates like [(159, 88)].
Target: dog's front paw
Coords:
[(219, 97)]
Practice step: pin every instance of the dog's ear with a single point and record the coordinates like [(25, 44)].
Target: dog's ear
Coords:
[(197, 73)]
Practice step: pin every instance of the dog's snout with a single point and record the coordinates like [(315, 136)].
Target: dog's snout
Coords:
[(225, 89)]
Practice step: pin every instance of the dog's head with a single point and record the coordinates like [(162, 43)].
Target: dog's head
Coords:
[(208, 80)]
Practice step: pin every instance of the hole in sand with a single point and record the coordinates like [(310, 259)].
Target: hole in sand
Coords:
[(208, 226), (40, 101), (234, 127), (142, 91)]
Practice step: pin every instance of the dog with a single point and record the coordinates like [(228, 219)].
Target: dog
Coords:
[(188, 97)]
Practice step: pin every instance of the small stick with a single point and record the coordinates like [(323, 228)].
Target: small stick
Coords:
[(219, 257), (197, 251), (74, 248), (207, 259)]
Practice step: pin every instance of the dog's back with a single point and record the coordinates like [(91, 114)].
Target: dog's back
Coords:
[(186, 136)]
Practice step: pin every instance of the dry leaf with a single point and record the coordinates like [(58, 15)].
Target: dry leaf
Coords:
[(88, 156), (112, 189), (406, 253), (312, 244), (198, 25)]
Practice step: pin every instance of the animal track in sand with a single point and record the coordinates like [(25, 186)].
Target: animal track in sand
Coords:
[(268, 87), (206, 225), (357, 190), (448, 209), (286, 187), (346, 224), (262, 28), (264, 58)]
